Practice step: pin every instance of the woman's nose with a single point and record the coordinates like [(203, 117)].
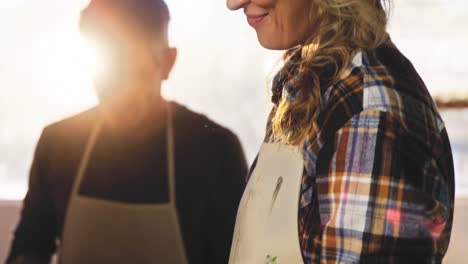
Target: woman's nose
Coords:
[(236, 4)]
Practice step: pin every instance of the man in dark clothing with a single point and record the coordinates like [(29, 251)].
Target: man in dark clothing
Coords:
[(127, 163)]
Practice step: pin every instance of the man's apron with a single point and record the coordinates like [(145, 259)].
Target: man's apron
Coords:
[(267, 221), (102, 231)]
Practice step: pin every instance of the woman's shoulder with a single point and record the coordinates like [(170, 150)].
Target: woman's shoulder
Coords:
[(383, 80)]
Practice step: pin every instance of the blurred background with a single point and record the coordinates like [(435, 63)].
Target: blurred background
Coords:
[(221, 71)]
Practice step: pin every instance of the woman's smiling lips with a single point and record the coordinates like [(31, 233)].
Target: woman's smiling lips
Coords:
[(255, 20)]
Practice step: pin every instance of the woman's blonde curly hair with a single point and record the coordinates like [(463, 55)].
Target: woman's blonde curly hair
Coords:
[(341, 28)]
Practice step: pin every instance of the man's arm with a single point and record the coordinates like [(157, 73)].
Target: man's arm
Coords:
[(34, 238), (226, 190), (377, 206)]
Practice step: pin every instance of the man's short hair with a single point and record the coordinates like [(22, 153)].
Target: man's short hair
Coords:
[(146, 18)]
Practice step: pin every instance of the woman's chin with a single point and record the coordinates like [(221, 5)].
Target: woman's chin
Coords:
[(273, 44), (274, 40)]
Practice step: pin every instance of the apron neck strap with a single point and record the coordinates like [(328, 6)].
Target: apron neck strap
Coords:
[(170, 153), (86, 156)]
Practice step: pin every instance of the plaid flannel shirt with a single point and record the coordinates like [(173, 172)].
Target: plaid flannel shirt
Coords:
[(378, 182)]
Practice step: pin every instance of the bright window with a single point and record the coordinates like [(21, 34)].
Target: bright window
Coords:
[(221, 71)]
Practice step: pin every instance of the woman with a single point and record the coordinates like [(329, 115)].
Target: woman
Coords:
[(356, 165)]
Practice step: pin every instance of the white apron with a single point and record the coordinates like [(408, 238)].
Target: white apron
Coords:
[(267, 221), (101, 231)]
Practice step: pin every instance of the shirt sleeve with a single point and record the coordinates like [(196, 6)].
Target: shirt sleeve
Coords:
[(225, 190), (34, 237), (376, 204)]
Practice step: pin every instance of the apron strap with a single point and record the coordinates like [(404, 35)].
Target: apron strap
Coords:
[(85, 158), (170, 154)]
